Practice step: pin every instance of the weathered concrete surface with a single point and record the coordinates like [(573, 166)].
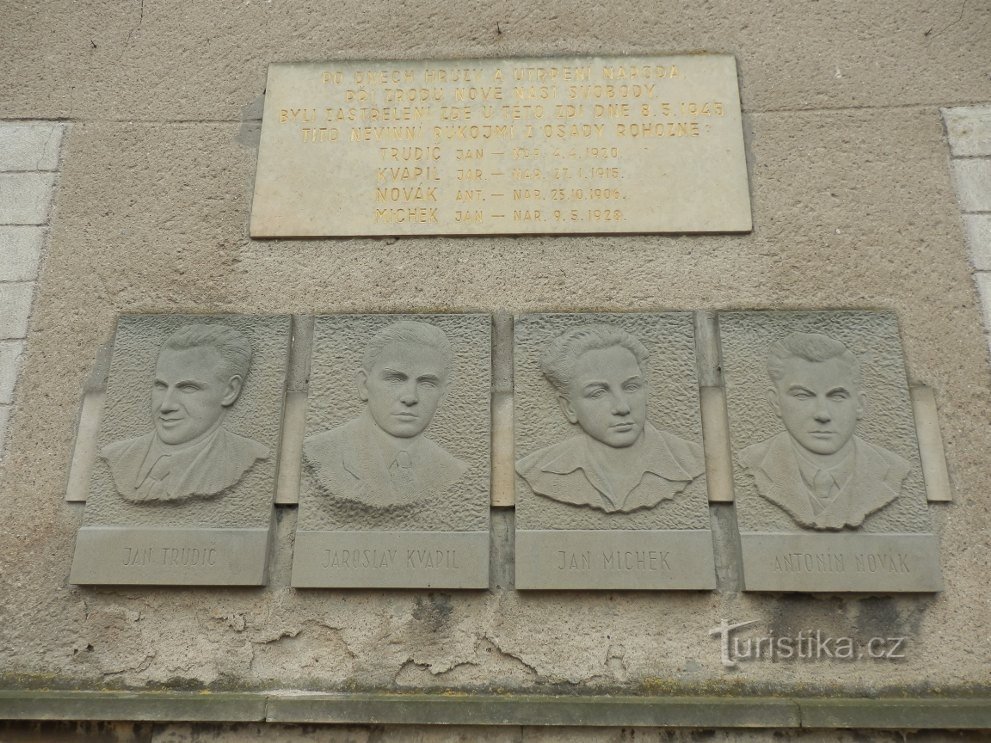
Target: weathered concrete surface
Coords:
[(829, 234), (153, 60), (852, 208)]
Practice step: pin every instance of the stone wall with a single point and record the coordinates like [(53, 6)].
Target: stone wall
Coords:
[(854, 207)]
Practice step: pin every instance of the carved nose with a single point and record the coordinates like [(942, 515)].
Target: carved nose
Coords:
[(621, 406), (168, 401)]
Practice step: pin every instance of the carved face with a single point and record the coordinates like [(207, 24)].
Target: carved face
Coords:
[(607, 396), (404, 388), (819, 402), (190, 393)]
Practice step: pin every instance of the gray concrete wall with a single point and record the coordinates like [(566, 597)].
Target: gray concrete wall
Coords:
[(854, 207)]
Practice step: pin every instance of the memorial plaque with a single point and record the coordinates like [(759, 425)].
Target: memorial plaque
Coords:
[(610, 470), (395, 485), (829, 488), (182, 490), (502, 146)]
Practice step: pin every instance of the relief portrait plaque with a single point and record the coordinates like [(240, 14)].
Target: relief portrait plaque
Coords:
[(395, 483), (829, 488), (502, 146), (182, 489), (611, 490)]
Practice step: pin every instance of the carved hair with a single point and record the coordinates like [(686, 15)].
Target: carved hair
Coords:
[(559, 359), (232, 345), (412, 332), (811, 347)]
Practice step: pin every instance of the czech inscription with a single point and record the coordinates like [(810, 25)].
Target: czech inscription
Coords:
[(844, 561), (654, 559), (579, 145), (828, 485), (391, 559), (170, 556)]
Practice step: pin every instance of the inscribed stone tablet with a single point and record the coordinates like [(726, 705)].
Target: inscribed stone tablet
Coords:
[(610, 470), (395, 485), (512, 146), (182, 490), (829, 487)]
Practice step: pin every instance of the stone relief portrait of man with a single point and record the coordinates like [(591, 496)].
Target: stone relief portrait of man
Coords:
[(199, 375), (618, 462), (383, 457), (818, 470)]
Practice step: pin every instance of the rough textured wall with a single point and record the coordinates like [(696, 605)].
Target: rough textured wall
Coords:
[(853, 208)]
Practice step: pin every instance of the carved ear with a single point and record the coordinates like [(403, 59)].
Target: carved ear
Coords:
[(361, 378), (567, 408), (861, 405), (772, 397), (233, 391)]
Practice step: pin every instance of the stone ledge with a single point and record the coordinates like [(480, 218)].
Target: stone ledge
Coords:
[(137, 706), (444, 709), (428, 709), (893, 714)]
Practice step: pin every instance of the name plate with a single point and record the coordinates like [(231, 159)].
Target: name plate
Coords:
[(376, 559), (570, 559), (502, 146), (153, 556), (878, 563)]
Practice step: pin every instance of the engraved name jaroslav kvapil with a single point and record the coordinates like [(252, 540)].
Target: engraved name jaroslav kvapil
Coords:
[(383, 559)]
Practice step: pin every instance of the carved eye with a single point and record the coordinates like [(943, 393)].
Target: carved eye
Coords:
[(188, 387), (839, 395), (596, 393), (632, 386)]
